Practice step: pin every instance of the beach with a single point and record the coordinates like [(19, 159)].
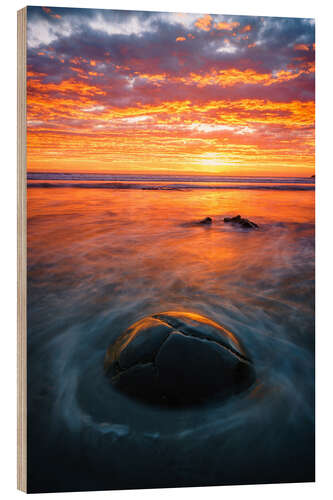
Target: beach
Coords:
[(105, 252)]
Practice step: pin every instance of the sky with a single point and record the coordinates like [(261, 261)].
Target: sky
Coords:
[(150, 92)]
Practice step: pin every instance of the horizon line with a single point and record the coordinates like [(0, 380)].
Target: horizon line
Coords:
[(187, 174)]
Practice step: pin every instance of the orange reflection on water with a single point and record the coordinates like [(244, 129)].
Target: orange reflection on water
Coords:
[(111, 247)]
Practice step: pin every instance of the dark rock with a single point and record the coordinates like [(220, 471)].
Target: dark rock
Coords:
[(246, 223), (207, 220), (178, 358), (237, 218)]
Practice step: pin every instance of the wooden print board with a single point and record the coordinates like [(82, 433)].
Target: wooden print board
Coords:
[(165, 249)]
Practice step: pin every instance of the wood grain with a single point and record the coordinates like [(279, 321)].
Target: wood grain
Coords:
[(21, 253)]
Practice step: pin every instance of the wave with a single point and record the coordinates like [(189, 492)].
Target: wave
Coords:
[(170, 187), (68, 176)]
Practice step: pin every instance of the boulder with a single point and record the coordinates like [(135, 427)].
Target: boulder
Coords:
[(207, 220), (246, 223), (178, 359)]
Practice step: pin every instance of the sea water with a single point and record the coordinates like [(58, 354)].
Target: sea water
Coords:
[(107, 250)]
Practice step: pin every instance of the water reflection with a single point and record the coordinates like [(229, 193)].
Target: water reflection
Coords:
[(100, 259)]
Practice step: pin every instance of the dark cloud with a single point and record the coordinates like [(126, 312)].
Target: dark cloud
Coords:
[(133, 58)]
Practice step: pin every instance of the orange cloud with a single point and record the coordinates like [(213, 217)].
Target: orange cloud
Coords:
[(180, 39), (226, 26), (204, 23), (154, 77), (48, 11), (81, 72), (246, 28), (180, 135), (71, 86), (35, 74), (231, 77), (92, 62), (295, 114), (301, 46)]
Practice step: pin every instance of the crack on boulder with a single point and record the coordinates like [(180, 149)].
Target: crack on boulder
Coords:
[(117, 376), (120, 371), (202, 336)]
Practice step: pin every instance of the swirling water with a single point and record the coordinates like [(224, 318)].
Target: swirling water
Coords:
[(100, 259)]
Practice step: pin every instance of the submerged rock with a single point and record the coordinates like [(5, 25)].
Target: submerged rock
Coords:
[(207, 220), (178, 358), (242, 222)]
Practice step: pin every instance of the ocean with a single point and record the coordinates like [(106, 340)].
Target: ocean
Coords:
[(106, 250)]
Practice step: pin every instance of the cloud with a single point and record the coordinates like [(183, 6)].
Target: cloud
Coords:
[(127, 25), (246, 28), (226, 26), (301, 46), (94, 108), (204, 23), (131, 81), (137, 119), (47, 10)]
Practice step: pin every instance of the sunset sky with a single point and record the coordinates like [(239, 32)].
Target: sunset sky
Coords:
[(118, 91)]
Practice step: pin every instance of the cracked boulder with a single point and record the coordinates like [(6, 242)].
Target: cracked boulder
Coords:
[(177, 359)]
